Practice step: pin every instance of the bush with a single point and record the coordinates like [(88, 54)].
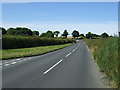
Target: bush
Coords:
[(13, 42), (3, 30)]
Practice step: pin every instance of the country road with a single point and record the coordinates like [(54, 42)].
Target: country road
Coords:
[(70, 67)]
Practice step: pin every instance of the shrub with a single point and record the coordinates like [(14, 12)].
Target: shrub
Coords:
[(13, 42)]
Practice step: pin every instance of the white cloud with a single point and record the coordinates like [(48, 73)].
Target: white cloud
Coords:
[(98, 28), (23, 1)]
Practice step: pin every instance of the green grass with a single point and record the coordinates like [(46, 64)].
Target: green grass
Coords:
[(105, 53), (15, 53)]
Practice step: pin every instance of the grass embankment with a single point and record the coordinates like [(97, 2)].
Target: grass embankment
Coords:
[(15, 42), (15, 53), (105, 53)]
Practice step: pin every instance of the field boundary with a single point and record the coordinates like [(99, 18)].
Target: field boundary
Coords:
[(41, 53)]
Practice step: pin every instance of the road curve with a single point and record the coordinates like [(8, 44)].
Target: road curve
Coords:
[(70, 67)]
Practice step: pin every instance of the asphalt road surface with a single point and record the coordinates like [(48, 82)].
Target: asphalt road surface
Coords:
[(70, 67)]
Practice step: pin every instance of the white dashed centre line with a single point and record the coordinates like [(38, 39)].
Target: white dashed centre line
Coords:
[(6, 64), (53, 66), (18, 59), (29, 58), (0, 64), (13, 62), (68, 54), (73, 50)]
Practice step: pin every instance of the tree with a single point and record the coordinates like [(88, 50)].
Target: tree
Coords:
[(35, 33), (82, 35), (89, 35), (43, 35), (95, 35), (26, 31), (11, 31), (19, 31), (56, 33), (75, 34), (3, 30), (104, 35), (47, 34), (65, 33), (50, 33)]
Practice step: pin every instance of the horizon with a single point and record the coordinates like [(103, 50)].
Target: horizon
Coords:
[(95, 17)]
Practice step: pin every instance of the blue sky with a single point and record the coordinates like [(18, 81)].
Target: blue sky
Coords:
[(96, 17)]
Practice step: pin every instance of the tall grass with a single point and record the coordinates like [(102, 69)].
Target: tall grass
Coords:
[(105, 52), (13, 42)]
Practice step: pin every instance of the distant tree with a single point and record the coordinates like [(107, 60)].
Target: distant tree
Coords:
[(95, 35), (56, 33), (82, 35), (50, 33), (104, 35), (35, 33), (65, 33), (75, 34), (43, 35), (47, 34), (11, 31), (27, 31), (89, 35), (3, 30), (19, 31)]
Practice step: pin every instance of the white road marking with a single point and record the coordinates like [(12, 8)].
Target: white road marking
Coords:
[(76, 48), (0, 64), (68, 54), (73, 50), (52, 67), (13, 62), (6, 64), (18, 59), (29, 58)]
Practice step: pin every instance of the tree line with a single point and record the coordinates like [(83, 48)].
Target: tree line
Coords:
[(19, 31), (50, 34)]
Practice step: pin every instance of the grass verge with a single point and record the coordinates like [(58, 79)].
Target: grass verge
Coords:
[(15, 53), (105, 53)]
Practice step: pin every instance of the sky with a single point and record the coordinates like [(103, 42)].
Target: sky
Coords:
[(14, 1), (95, 17)]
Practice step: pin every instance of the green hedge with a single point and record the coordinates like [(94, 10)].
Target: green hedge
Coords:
[(13, 42)]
